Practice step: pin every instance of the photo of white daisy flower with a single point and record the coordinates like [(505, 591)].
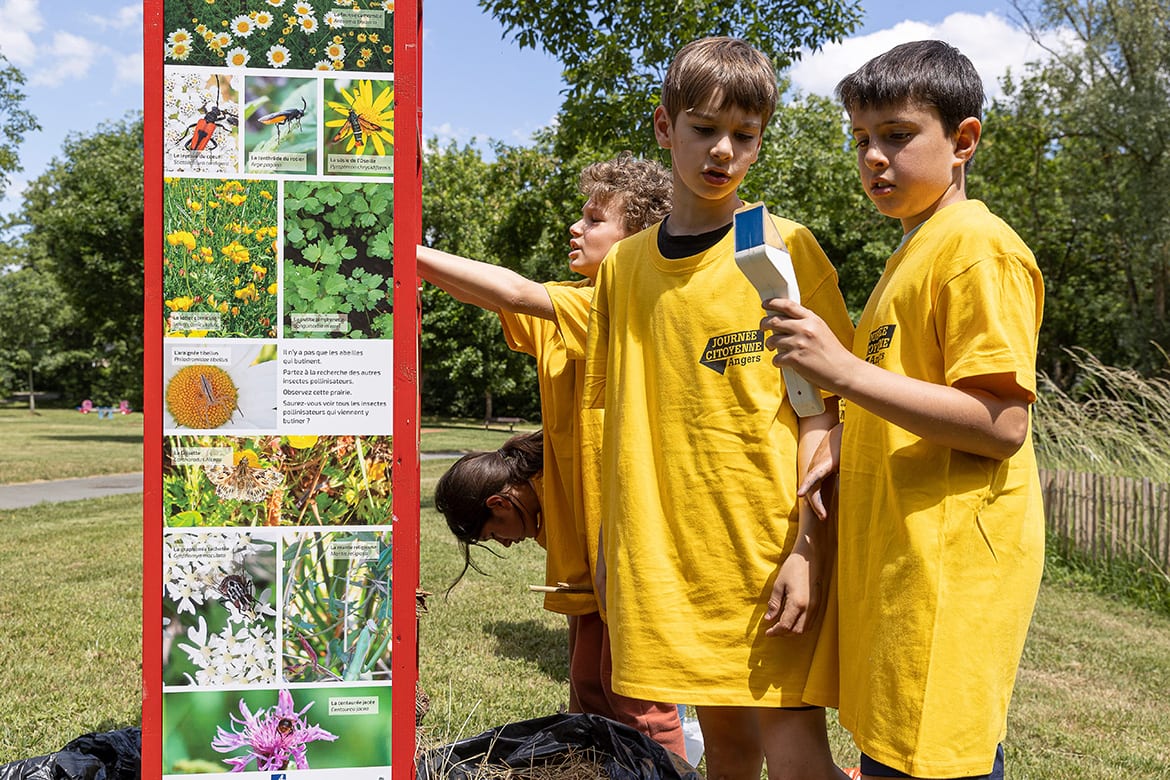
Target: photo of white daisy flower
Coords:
[(237, 57), (242, 26), (278, 56)]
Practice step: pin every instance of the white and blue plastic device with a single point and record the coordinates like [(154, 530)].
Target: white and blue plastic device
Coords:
[(763, 259)]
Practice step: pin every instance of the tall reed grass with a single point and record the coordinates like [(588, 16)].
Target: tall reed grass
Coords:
[(1111, 421)]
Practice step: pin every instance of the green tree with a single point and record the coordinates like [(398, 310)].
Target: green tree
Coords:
[(1096, 112), (33, 314), (615, 54), (506, 212), (82, 222), (15, 121)]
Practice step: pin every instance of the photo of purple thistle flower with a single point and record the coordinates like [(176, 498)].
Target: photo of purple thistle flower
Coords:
[(274, 737)]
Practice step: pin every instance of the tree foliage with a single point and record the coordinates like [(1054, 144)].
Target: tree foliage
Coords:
[(35, 320), (508, 212), (83, 222), (1077, 159), (15, 121), (615, 52)]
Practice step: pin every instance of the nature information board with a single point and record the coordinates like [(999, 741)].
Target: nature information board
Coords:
[(280, 554)]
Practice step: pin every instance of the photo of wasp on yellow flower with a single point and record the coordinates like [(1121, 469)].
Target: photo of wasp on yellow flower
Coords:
[(219, 258), (276, 480), (327, 35), (360, 118), (337, 612)]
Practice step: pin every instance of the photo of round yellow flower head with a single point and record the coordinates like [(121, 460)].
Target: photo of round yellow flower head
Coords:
[(219, 258), (221, 386), (328, 35)]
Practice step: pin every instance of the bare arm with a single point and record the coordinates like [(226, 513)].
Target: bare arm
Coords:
[(798, 591), (487, 286), (984, 415)]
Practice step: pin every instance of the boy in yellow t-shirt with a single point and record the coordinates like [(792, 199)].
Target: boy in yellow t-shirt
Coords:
[(941, 528), (549, 321), (714, 574)]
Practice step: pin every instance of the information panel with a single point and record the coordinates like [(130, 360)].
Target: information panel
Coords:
[(281, 501)]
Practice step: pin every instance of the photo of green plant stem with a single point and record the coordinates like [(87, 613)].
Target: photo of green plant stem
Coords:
[(338, 259), (337, 618), (276, 480)]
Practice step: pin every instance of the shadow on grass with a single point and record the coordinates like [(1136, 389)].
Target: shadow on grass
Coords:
[(530, 641)]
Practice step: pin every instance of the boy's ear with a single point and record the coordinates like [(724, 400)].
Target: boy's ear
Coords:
[(967, 138), (495, 501), (663, 127)]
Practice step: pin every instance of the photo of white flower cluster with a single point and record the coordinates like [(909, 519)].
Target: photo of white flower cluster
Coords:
[(219, 624)]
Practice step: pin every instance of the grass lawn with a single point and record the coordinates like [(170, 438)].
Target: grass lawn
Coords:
[(1091, 701), (61, 443), (70, 622)]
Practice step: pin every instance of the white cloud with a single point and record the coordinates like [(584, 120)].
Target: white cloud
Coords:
[(68, 57), (124, 17), (21, 19), (446, 132), (128, 69), (992, 43)]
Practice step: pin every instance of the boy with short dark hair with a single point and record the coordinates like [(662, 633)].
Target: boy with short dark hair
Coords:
[(549, 321), (715, 575), (941, 528)]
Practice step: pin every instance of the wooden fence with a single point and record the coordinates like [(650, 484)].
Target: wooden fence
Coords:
[(1107, 517)]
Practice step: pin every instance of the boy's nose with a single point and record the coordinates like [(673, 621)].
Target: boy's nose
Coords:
[(577, 229), (722, 148), (874, 158)]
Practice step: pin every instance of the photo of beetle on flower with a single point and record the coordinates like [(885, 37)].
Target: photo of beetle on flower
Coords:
[(219, 618)]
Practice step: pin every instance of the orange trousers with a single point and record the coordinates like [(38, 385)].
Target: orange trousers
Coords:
[(590, 671)]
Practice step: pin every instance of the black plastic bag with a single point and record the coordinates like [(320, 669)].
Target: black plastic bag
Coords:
[(623, 752), (114, 755)]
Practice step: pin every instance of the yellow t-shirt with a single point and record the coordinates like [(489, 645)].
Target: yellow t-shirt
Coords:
[(698, 470), (940, 552), (560, 378)]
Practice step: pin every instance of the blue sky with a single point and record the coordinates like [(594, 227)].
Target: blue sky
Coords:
[(83, 61)]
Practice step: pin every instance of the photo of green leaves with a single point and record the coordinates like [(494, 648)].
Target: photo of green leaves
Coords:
[(338, 258)]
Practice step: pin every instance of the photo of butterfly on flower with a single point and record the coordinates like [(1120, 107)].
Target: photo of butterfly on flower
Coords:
[(276, 481)]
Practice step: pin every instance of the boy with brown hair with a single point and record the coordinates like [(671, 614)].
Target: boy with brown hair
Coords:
[(714, 573), (549, 321), (941, 528)]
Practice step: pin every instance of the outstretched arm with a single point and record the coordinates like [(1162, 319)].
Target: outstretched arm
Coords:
[(487, 286)]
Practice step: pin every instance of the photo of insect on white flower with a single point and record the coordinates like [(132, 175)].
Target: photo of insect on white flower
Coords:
[(219, 608), (201, 117), (337, 610), (221, 386)]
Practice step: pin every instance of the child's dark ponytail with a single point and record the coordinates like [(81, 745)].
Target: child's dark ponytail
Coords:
[(462, 492)]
